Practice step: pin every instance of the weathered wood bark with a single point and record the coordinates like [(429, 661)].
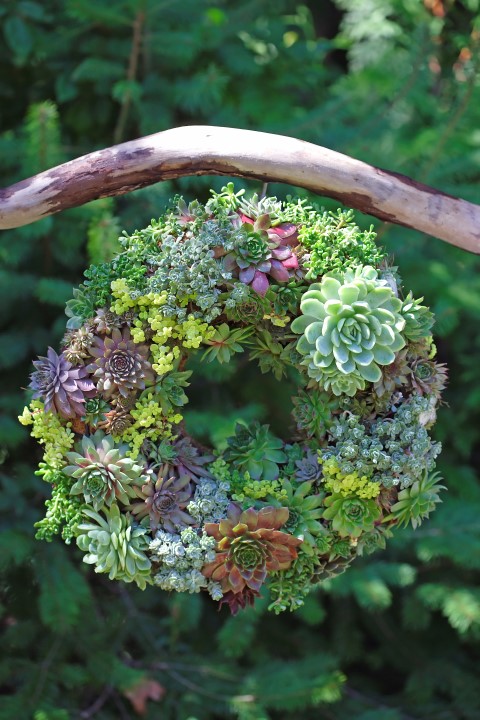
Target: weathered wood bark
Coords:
[(244, 153)]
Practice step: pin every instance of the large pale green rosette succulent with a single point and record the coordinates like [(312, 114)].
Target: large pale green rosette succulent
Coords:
[(351, 324), (115, 546)]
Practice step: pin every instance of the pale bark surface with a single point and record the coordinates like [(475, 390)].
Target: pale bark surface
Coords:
[(198, 150)]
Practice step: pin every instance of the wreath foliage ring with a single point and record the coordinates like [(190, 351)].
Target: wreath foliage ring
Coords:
[(311, 297)]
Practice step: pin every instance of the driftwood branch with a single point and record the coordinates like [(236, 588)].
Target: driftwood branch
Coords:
[(244, 153)]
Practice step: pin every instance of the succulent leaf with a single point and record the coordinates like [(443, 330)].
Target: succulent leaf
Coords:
[(226, 342)]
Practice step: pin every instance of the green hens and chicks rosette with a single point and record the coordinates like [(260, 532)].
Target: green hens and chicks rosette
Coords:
[(313, 299)]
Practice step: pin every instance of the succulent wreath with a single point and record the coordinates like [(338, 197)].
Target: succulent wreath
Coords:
[(314, 299)]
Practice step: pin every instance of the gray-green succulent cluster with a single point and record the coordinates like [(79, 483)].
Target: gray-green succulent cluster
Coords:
[(190, 268), (210, 501), (393, 451)]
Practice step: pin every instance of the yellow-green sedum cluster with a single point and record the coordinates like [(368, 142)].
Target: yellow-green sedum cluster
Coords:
[(47, 428)]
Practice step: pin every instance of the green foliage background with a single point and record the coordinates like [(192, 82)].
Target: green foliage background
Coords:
[(393, 82)]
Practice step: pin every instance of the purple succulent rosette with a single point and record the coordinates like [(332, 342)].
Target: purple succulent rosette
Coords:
[(63, 388), (306, 294)]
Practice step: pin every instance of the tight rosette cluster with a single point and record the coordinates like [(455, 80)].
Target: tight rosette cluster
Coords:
[(250, 544), (351, 515), (121, 365), (102, 473), (115, 546), (245, 512), (63, 388), (256, 451), (350, 325), (165, 503), (264, 251)]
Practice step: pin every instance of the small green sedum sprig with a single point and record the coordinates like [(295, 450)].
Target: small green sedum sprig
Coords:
[(225, 343)]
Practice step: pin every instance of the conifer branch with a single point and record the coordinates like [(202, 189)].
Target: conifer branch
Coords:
[(203, 150), (138, 26)]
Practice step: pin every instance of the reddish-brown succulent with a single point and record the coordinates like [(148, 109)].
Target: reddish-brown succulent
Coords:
[(249, 546), (238, 601)]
